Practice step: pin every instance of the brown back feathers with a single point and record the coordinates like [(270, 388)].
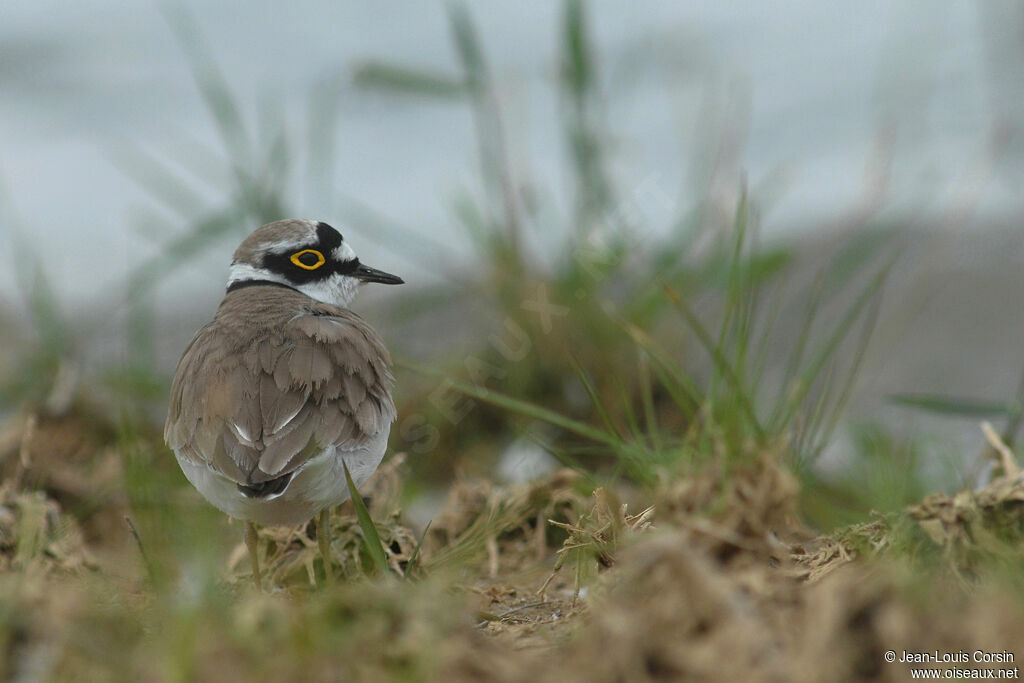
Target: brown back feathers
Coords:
[(273, 380)]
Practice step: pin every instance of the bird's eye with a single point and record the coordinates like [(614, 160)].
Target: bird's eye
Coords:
[(308, 259)]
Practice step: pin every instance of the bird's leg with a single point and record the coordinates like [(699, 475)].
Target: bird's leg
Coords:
[(251, 542), (323, 537)]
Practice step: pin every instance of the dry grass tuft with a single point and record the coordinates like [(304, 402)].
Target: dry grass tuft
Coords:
[(36, 537), (291, 557), (72, 458), (594, 539), (501, 529), (968, 531), (738, 509), (717, 580)]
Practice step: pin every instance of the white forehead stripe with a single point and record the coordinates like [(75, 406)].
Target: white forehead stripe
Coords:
[(343, 253), (280, 246)]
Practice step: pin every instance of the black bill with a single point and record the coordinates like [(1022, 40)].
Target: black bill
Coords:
[(368, 274)]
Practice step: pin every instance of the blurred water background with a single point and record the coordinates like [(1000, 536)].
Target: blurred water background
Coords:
[(843, 118)]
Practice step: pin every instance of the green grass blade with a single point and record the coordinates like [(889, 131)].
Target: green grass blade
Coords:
[(765, 329), (595, 399), (1017, 417), (467, 45), (416, 552), (825, 354), (820, 434), (495, 168), (950, 405), (578, 69), (636, 433), (213, 85), (733, 332), (720, 361), (685, 392), (803, 336), (522, 407), (405, 242), (182, 249), (647, 402), (403, 80), (370, 536), (164, 185), (43, 303), (578, 88)]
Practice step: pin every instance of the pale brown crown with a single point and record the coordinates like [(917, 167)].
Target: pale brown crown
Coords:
[(278, 235)]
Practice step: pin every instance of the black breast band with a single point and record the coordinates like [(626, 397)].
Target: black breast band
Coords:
[(242, 284)]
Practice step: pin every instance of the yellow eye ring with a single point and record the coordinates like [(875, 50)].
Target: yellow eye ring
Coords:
[(297, 259)]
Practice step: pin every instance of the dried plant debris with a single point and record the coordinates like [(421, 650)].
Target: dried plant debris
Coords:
[(291, 555), (67, 454), (594, 539), (359, 630), (739, 514), (965, 531), (36, 536), (709, 575), (504, 527), (669, 613), (72, 458), (672, 611)]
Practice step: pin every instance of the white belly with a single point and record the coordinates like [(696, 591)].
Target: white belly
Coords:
[(318, 484)]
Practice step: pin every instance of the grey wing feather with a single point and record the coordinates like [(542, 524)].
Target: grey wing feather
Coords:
[(317, 380)]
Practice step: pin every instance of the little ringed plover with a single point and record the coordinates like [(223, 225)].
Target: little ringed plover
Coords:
[(284, 385)]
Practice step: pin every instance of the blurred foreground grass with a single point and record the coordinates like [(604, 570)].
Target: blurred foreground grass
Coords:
[(687, 533)]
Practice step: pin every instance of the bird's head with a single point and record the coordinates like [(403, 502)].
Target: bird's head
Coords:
[(309, 256)]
